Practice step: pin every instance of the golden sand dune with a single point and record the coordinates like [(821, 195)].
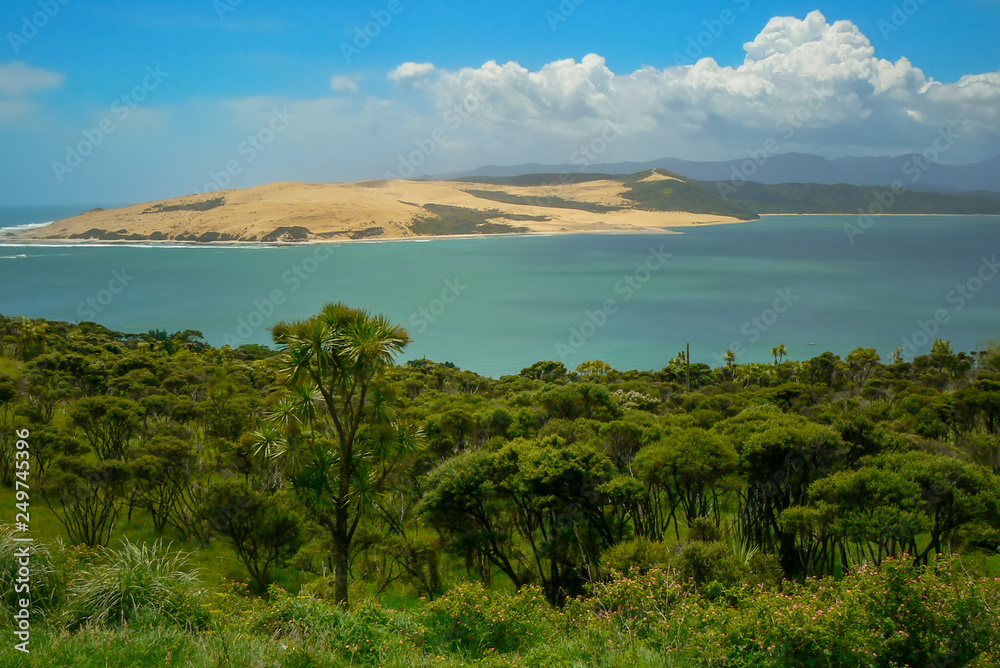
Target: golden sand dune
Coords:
[(657, 175), (284, 212)]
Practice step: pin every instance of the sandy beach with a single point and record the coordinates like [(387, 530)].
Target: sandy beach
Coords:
[(366, 211)]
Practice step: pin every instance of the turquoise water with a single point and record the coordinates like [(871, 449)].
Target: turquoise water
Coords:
[(512, 301)]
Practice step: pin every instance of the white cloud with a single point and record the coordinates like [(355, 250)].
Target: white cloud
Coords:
[(345, 83), (411, 71), (824, 80), (18, 82)]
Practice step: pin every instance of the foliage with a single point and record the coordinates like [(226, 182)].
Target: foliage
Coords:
[(639, 554), (263, 529), (595, 516), (471, 620), (897, 616), (136, 582), (44, 582), (86, 496)]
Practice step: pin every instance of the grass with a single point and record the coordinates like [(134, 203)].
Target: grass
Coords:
[(137, 647), (204, 205), (458, 220), (677, 194), (635, 621), (136, 580), (216, 562), (541, 201), (680, 195)]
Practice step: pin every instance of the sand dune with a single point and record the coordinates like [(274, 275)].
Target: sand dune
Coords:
[(282, 212), (657, 175)]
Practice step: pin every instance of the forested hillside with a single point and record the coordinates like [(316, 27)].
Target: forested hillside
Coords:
[(317, 504)]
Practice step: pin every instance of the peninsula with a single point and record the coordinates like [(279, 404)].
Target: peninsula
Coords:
[(651, 201)]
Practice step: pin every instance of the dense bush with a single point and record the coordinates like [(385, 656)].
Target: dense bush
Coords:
[(897, 616), (472, 620), (594, 517), (640, 554)]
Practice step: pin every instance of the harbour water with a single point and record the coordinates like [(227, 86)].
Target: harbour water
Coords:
[(497, 304)]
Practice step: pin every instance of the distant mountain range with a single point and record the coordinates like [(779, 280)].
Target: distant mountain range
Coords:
[(792, 168)]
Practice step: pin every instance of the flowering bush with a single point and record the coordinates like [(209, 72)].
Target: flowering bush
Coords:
[(361, 636), (899, 615), (469, 618)]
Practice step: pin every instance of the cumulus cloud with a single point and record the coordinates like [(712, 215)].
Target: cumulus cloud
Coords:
[(412, 73), (806, 81)]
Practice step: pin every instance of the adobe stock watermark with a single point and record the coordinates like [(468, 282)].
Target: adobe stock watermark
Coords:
[(583, 157), (757, 326), (364, 34), (223, 7), (626, 288), (587, 154), (32, 24), (914, 168), (958, 297), (91, 306), (713, 30), (900, 16), (248, 150), (121, 109), (792, 122), (422, 318), (22, 583), (454, 117), (562, 12), (293, 278)]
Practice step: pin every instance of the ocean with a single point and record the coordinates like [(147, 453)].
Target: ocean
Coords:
[(498, 304)]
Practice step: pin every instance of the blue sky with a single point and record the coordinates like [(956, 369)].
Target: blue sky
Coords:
[(867, 78)]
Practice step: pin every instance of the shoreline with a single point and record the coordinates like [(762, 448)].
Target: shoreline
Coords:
[(888, 215), (14, 239), (291, 213), (19, 240)]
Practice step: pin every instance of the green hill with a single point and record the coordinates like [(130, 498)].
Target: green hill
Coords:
[(842, 198), (681, 194), (675, 194)]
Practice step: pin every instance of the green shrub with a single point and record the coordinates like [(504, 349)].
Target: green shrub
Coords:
[(136, 582), (900, 615), (468, 618), (640, 554), (704, 530), (644, 605), (764, 570), (710, 566), (363, 636)]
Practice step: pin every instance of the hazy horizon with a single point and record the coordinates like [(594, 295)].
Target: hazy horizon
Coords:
[(112, 102)]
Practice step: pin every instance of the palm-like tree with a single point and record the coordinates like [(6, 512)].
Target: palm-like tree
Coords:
[(779, 352), (331, 365)]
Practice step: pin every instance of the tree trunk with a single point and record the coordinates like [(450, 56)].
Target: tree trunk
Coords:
[(340, 574)]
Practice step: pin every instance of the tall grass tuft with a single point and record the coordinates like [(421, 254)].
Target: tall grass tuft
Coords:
[(137, 583), (45, 581)]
